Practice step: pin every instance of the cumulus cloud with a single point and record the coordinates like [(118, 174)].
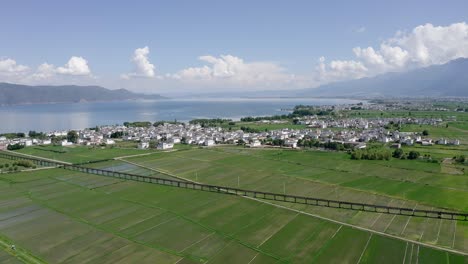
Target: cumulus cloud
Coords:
[(232, 70), (9, 67), (338, 70), (425, 45), (143, 67), (75, 66), (44, 71)]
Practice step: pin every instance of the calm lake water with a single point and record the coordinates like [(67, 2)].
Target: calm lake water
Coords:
[(49, 117)]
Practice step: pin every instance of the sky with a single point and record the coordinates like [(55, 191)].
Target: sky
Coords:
[(177, 47)]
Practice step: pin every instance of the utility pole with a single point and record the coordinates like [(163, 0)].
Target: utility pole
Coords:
[(238, 181)]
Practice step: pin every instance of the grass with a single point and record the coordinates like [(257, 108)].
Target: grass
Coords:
[(57, 216), (80, 154), (63, 216), (265, 126), (333, 176), (436, 132)]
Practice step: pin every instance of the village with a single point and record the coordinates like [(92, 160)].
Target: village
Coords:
[(356, 132)]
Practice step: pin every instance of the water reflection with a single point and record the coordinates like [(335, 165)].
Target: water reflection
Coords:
[(48, 117)]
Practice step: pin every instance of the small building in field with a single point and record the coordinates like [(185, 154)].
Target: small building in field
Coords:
[(143, 145), (255, 143), (66, 143), (165, 145), (396, 145), (292, 143), (209, 142)]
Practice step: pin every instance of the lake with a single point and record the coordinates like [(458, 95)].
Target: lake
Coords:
[(49, 117)]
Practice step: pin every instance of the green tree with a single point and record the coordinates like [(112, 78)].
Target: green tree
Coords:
[(425, 132), (72, 136), (461, 159), (398, 153), (413, 155)]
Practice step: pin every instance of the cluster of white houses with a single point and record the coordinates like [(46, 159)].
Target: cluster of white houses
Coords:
[(356, 131)]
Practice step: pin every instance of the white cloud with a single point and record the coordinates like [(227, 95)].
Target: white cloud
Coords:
[(425, 45), (338, 70), (44, 71), (75, 66), (9, 67), (428, 44), (360, 30), (143, 67), (369, 55), (234, 71)]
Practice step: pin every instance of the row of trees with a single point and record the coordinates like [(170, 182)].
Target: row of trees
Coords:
[(34, 134), (377, 153), (13, 135), (211, 122), (400, 154), (299, 111), (15, 146), (117, 134), (310, 143), (371, 154), (162, 122), (137, 124), (250, 129), (14, 166)]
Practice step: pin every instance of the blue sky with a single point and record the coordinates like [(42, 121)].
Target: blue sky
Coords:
[(291, 35)]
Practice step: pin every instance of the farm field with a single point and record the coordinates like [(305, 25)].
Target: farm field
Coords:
[(60, 216), (316, 174), (453, 131), (74, 154)]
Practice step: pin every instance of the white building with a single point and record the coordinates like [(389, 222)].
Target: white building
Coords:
[(143, 145), (109, 141), (165, 145), (66, 143), (255, 143), (209, 142), (292, 143), (174, 140), (46, 142)]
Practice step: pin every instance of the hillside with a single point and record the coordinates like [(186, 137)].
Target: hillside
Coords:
[(11, 94), (450, 79)]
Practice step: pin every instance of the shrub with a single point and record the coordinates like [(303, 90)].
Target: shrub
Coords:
[(413, 155), (398, 153), (15, 146)]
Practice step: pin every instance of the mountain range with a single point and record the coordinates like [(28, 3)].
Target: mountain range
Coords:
[(12, 94), (446, 80)]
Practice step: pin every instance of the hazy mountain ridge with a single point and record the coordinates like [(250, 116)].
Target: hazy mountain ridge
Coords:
[(450, 79), (12, 94)]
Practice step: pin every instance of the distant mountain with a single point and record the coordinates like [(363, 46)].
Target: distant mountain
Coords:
[(450, 79), (11, 94)]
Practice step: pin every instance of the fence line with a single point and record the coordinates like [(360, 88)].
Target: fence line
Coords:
[(249, 193)]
